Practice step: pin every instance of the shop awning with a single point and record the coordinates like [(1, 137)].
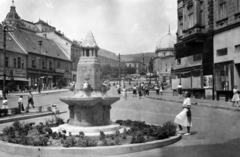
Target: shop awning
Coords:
[(20, 79), (15, 79)]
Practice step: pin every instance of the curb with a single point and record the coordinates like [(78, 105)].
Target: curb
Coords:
[(37, 151), (201, 104), (24, 94), (6, 120)]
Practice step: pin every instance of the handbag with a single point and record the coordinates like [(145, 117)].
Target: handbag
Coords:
[(189, 114)]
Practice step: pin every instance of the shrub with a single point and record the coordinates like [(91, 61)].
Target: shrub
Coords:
[(86, 142), (138, 138), (69, 142), (170, 128)]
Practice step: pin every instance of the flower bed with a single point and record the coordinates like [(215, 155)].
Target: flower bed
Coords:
[(42, 135)]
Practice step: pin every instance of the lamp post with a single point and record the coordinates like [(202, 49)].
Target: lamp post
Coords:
[(39, 79), (119, 72), (5, 30)]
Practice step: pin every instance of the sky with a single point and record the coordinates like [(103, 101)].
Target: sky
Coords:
[(120, 26)]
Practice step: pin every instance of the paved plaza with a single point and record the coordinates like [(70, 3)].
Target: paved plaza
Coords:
[(215, 132)]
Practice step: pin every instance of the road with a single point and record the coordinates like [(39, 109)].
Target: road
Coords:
[(214, 132)]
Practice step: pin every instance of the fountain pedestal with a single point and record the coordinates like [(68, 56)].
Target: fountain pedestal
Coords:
[(89, 108)]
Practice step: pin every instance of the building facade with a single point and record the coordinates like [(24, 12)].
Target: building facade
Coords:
[(16, 62), (194, 48), (33, 59), (226, 47), (165, 57)]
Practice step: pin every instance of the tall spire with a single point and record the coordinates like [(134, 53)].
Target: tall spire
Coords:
[(169, 31), (12, 2)]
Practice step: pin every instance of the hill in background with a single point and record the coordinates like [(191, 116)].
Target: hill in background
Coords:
[(139, 57)]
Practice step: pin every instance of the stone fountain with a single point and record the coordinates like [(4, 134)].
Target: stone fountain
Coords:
[(90, 107)]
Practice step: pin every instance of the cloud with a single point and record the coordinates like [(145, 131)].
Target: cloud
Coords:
[(49, 4), (135, 27)]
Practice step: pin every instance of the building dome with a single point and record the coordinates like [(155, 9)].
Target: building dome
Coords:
[(166, 43), (12, 17)]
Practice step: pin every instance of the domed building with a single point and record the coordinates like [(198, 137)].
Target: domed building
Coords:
[(12, 18), (166, 53)]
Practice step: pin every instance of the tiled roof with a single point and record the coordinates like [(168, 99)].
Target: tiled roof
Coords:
[(30, 43), (11, 45), (89, 41), (107, 54)]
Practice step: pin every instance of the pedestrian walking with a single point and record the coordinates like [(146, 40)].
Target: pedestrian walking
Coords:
[(119, 90), (140, 91), (161, 89), (134, 91), (124, 92), (20, 103), (5, 103), (147, 89), (179, 88), (184, 118), (235, 97), (30, 100), (157, 89)]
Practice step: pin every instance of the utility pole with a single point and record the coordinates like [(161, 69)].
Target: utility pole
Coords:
[(119, 72), (4, 56), (5, 30), (39, 79)]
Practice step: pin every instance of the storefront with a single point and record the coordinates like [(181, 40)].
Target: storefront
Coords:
[(47, 79), (18, 76), (191, 80), (224, 78)]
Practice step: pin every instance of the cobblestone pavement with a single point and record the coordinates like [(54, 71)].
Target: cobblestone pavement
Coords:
[(214, 132)]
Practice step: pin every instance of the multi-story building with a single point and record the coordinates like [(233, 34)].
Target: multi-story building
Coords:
[(109, 58), (134, 64), (16, 62), (226, 47), (194, 48), (39, 63), (165, 57)]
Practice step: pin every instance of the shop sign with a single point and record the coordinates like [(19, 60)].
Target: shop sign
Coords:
[(19, 72), (69, 76), (59, 70), (15, 72)]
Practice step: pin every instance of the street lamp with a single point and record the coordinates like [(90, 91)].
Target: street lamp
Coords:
[(5, 30), (119, 72), (39, 79)]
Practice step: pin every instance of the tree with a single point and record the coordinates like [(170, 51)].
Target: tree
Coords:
[(61, 82), (151, 65), (12, 84)]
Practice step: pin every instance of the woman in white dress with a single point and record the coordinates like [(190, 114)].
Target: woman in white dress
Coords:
[(124, 90), (184, 118), (235, 98)]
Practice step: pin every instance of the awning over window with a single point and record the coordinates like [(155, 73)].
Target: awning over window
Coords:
[(15, 78)]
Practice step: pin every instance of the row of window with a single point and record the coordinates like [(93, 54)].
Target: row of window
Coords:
[(222, 8), (224, 51), (17, 62), (187, 17), (50, 63)]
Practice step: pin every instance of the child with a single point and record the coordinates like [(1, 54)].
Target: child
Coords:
[(5, 103), (20, 103)]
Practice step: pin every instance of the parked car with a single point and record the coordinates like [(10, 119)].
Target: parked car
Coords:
[(1, 95)]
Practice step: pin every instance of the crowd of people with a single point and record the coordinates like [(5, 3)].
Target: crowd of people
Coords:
[(140, 88)]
